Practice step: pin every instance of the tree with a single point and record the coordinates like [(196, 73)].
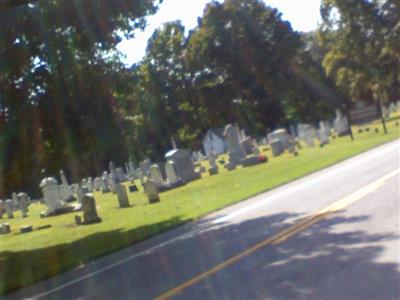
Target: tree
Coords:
[(243, 51), (363, 59), (59, 76)]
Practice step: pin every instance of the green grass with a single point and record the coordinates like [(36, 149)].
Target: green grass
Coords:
[(27, 258)]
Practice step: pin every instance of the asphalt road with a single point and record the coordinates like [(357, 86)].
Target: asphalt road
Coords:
[(330, 235)]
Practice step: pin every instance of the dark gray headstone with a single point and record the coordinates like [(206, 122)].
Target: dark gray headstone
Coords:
[(89, 210), (122, 195)]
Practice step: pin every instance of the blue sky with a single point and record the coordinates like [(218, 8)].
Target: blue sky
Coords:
[(302, 14)]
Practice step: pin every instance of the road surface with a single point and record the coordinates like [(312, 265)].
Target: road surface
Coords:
[(331, 235)]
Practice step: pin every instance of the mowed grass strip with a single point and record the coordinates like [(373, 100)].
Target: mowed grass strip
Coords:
[(28, 258)]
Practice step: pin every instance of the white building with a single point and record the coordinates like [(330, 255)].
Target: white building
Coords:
[(214, 142)]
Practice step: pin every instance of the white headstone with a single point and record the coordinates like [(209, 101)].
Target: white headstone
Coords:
[(183, 164), (51, 195), (341, 123), (323, 137), (235, 149), (170, 171), (90, 184), (156, 176), (306, 133)]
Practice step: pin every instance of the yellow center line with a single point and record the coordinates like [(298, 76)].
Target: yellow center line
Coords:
[(285, 234)]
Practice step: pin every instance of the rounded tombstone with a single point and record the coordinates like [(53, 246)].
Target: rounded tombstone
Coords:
[(51, 194)]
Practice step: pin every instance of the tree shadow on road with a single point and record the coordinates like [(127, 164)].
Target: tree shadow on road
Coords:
[(320, 262)]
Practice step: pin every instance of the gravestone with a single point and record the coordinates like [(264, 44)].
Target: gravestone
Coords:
[(341, 123), (15, 199), (79, 194), (292, 147), (51, 195), (325, 127), (104, 183), (97, 184), (9, 209), (5, 228), (184, 166), (252, 160), (66, 190), (26, 229), (111, 183), (85, 189), (122, 195), (156, 176), (323, 137), (235, 149), (306, 134), (276, 147), (170, 170), (151, 190), (281, 135), (89, 210), (84, 184), (90, 184), (247, 145), (23, 204)]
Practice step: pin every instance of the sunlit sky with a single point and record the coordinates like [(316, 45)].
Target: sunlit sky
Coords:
[(302, 14)]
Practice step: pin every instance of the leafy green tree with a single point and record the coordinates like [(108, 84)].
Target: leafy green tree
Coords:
[(243, 51), (363, 57), (59, 78)]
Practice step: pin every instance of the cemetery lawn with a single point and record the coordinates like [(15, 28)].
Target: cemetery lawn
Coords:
[(28, 258)]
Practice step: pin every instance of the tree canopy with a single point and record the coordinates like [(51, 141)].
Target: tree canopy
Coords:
[(67, 101), (58, 76)]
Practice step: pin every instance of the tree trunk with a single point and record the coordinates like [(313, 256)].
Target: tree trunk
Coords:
[(379, 107), (348, 116)]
